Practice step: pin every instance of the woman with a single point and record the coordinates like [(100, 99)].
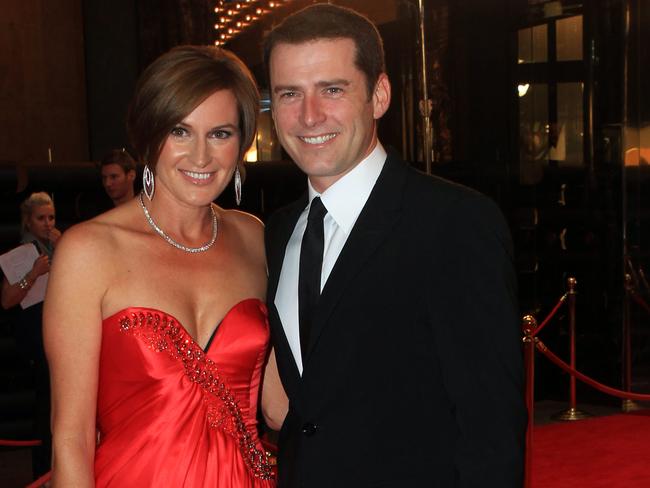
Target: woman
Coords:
[(37, 227), (154, 316)]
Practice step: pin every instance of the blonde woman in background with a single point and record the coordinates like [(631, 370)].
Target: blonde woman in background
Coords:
[(38, 226)]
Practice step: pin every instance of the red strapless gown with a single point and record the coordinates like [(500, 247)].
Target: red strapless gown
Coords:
[(173, 415)]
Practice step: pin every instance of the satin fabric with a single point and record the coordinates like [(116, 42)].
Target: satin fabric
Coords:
[(171, 414)]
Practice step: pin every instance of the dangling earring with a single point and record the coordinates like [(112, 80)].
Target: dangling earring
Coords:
[(237, 186), (148, 185)]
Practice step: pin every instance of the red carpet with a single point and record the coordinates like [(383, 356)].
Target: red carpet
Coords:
[(607, 452)]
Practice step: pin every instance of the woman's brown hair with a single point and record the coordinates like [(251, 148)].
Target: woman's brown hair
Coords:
[(175, 84)]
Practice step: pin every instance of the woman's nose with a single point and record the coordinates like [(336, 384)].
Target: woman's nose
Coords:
[(201, 155)]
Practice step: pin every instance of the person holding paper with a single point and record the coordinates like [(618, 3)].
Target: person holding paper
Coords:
[(37, 227)]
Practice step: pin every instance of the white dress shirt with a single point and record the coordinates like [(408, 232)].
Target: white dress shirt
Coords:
[(344, 201)]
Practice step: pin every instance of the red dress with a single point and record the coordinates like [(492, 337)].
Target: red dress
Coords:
[(171, 414)]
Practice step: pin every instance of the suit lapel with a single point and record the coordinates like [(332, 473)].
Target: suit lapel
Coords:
[(277, 240), (379, 215)]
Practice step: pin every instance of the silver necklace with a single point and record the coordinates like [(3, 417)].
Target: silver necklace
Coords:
[(171, 241)]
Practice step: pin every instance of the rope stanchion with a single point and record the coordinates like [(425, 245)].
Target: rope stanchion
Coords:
[(7, 443), (529, 325), (531, 343), (541, 347), (571, 413), (626, 340)]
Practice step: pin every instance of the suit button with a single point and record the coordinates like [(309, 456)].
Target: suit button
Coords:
[(309, 429)]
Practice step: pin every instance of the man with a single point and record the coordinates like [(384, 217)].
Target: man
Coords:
[(118, 175), (404, 369)]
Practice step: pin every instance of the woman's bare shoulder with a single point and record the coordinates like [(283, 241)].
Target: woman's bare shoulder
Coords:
[(249, 230), (100, 235), (243, 221)]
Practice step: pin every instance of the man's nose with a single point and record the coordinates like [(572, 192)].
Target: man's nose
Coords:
[(312, 111)]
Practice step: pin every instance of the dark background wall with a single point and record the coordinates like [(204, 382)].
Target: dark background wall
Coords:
[(42, 81)]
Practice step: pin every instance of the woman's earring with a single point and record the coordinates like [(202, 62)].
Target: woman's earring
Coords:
[(147, 182), (237, 186)]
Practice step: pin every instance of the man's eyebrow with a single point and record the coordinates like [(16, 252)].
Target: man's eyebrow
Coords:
[(336, 81), (320, 84), (279, 88)]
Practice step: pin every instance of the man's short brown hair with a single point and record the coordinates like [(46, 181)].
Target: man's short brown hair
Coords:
[(325, 21), (120, 157), (179, 81)]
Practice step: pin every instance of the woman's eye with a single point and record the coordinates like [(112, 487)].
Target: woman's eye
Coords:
[(178, 132), (221, 134)]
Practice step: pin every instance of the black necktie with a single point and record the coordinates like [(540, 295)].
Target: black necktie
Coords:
[(311, 264)]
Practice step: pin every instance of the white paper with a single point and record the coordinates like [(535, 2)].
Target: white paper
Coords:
[(16, 264)]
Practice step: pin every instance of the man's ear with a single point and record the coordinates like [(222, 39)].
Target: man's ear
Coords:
[(381, 96), (130, 175)]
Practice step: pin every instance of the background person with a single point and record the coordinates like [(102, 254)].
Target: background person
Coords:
[(392, 294), (38, 226), (155, 325), (118, 174)]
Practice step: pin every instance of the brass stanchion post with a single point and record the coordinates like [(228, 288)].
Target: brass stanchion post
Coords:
[(572, 413), (425, 103), (627, 405), (529, 325)]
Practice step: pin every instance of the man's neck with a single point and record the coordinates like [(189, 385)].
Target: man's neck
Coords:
[(126, 198)]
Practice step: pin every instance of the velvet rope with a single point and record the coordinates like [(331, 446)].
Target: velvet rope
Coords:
[(641, 302), (550, 315), (541, 347), (6, 443), (41, 481)]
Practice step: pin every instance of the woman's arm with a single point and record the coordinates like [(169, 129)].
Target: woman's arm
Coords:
[(275, 403), (72, 335), (12, 295)]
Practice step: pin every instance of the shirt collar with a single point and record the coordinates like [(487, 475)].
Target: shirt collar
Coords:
[(345, 199)]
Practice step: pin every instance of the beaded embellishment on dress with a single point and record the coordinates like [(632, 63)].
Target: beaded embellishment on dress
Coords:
[(163, 334)]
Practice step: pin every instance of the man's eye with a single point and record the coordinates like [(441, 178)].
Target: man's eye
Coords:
[(334, 90), (288, 94)]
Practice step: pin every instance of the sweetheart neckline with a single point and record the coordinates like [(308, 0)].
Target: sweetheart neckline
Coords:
[(214, 331)]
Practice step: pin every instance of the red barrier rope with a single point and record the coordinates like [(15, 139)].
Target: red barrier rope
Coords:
[(640, 301), (541, 347), (41, 481), (550, 315), (6, 443)]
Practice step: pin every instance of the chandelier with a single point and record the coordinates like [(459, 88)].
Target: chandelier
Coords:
[(234, 17)]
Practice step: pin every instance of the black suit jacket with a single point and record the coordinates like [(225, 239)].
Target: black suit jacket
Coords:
[(413, 376)]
